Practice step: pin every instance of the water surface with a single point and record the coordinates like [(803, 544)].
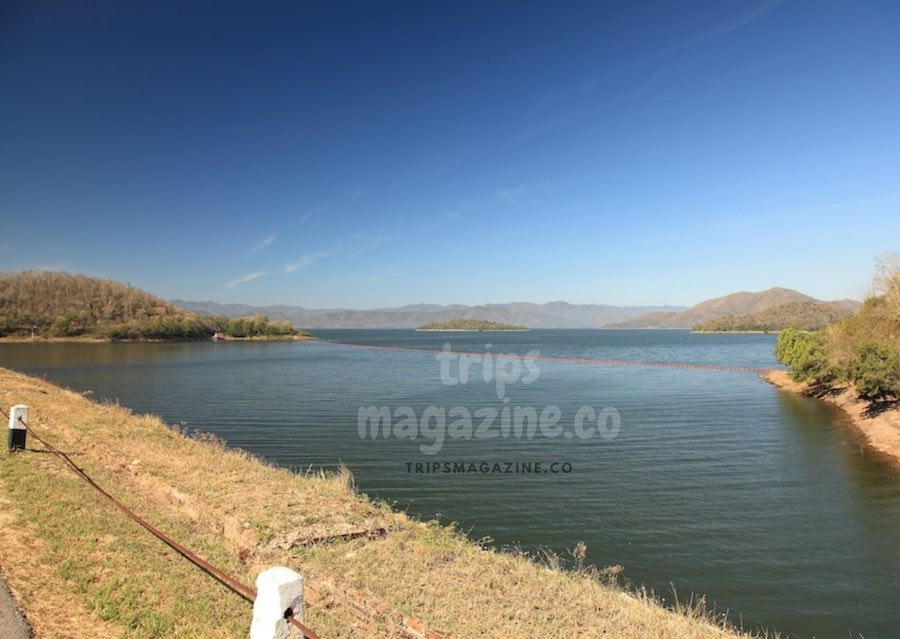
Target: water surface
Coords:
[(717, 483)]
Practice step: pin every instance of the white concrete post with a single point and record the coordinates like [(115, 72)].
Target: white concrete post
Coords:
[(279, 594), (17, 428)]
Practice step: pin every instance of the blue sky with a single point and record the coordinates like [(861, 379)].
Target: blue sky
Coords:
[(378, 154)]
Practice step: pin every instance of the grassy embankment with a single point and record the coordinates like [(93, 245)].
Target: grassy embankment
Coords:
[(80, 569)]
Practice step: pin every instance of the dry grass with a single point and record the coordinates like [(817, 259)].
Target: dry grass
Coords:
[(80, 569)]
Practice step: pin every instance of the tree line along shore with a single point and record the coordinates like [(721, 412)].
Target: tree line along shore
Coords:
[(854, 362)]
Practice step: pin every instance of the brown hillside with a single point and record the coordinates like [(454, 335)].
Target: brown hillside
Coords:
[(47, 304), (67, 304), (740, 303), (811, 315)]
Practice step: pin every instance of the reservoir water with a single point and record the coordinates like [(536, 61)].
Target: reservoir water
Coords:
[(707, 481)]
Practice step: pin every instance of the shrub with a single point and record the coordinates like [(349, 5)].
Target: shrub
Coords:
[(784, 347), (117, 331), (876, 371), (68, 325), (254, 326), (807, 355)]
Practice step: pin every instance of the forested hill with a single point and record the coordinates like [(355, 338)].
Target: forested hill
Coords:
[(738, 307), (809, 315), (63, 305)]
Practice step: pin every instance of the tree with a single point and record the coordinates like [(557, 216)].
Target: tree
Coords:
[(807, 355), (887, 281), (876, 372)]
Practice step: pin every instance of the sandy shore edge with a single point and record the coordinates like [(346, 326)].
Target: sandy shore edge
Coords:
[(17, 339)]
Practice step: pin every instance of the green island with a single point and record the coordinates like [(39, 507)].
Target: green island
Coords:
[(41, 305), (469, 324), (808, 315)]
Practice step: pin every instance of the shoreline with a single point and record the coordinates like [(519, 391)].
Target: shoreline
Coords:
[(880, 431), (471, 330), (363, 562), (734, 332), (105, 340)]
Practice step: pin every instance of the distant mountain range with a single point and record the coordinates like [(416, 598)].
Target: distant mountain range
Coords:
[(65, 305), (549, 315), (779, 307), (788, 305)]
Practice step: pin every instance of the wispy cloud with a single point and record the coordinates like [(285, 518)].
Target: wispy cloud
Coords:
[(579, 99), (263, 243), (363, 278), (721, 29), (359, 243), (305, 260), (511, 194), (348, 246), (249, 277)]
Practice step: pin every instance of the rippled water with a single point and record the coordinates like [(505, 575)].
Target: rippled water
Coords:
[(717, 483)]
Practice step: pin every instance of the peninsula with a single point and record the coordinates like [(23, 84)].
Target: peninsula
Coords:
[(51, 306)]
